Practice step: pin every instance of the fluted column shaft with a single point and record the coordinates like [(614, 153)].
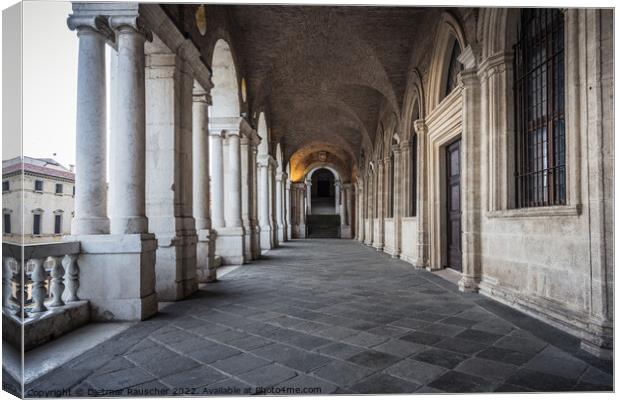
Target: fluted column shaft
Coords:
[(127, 173), (90, 180)]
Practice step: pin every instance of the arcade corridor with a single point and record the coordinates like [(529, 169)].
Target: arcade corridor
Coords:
[(346, 319)]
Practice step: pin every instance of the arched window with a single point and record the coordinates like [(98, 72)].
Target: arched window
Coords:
[(539, 109), (453, 68)]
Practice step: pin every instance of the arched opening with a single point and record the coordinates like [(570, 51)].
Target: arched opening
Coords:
[(454, 68), (225, 92), (323, 192)]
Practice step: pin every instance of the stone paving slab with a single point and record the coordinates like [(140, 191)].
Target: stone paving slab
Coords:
[(332, 316)]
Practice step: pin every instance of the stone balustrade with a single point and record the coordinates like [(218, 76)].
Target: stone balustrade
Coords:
[(50, 277)]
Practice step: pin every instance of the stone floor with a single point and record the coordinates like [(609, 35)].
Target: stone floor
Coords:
[(331, 316)]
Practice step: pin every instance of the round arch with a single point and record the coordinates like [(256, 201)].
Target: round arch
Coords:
[(263, 132), (413, 106), (317, 166), (225, 91)]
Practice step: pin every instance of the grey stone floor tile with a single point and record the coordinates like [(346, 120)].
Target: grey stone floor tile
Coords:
[(214, 353), (443, 329), (422, 338), (227, 387), (556, 362), (442, 358), (292, 357), (505, 355), (156, 353), (400, 348), (384, 384), (458, 382), (240, 363), (460, 346), (268, 375), (519, 344), (416, 371), (390, 331), (365, 339), (374, 359), (410, 323), (342, 373), (541, 382), (168, 366), (194, 377), (250, 342), (475, 335), (340, 350), (494, 325), (121, 379), (491, 370)]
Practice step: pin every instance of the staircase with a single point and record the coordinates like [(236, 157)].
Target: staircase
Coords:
[(323, 226)]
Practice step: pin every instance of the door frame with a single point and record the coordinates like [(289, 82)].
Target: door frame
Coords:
[(445, 214)]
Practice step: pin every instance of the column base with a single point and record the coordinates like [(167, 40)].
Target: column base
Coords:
[(117, 276), (128, 225), (205, 256), (247, 247), (289, 232), (281, 234), (302, 231), (469, 284), (230, 244), (266, 238), (346, 232), (175, 267), (90, 226), (255, 234)]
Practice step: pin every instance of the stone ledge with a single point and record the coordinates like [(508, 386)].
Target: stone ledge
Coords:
[(44, 327), (533, 212)]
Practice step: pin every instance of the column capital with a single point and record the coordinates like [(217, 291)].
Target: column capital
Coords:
[(91, 23), (221, 124), (396, 149), (200, 95), (264, 160), (420, 127), (129, 24)]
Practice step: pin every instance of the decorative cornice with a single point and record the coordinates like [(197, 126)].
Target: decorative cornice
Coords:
[(199, 95)]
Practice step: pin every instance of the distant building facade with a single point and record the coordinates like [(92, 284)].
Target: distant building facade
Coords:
[(47, 191)]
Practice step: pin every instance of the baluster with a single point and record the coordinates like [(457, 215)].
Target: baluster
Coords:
[(39, 292), (7, 274), (20, 294), (73, 279), (57, 284)]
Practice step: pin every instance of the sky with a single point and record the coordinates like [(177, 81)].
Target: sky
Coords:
[(49, 81)]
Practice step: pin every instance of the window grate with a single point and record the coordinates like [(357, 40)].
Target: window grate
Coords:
[(539, 104)]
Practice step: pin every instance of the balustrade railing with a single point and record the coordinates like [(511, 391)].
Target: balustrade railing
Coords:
[(39, 277)]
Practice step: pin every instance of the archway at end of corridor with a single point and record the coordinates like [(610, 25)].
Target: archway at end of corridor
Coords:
[(323, 212)]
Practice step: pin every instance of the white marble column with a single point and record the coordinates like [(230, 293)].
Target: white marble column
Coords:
[(337, 187), (379, 207), (127, 174), (246, 194), (254, 225), (302, 211), (117, 271), (422, 212), (266, 241), (205, 247), (279, 206), (396, 200), (309, 196), (272, 201), (90, 180), (287, 207), (233, 181), (216, 160)]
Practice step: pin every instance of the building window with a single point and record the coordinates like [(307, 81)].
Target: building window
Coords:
[(539, 109), (414, 175), (5, 186), (454, 68), (38, 185), (59, 188), (7, 222), (57, 224), (36, 224)]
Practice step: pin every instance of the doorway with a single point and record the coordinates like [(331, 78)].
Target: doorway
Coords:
[(453, 206)]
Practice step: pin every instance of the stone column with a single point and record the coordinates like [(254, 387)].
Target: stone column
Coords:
[(361, 209), (397, 193), (117, 271), (205, 247), (266, 241), (337, 185), (379, 208), (245, 192), (216, 160), (346, 231), (422, 212), (470, 173), (169, 103), (309, 196), (302, 211), (233, 181), (280, 177), (287, 207), (90, 181), (255, 230), (272, 200)]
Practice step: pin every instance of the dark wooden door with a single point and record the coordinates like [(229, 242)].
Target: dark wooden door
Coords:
[(453, 205)]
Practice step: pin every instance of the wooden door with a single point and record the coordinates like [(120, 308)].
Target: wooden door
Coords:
[(453, 205)]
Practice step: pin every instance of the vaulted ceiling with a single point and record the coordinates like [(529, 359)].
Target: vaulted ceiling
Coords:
[(325, 74)]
